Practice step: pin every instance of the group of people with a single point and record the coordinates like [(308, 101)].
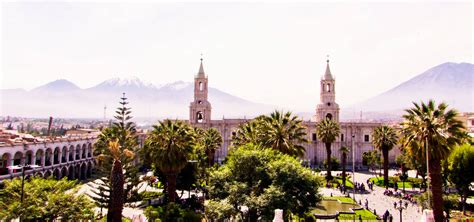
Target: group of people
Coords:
[(370, 184), (387, 217), (359, 187)]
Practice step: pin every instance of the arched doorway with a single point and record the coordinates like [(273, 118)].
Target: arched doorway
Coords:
[(39, 157), (56, 156), (77, 172), (83, 171), (4, 163), (71, 153), (78, 151), (64, 172), (83, 151), (71, 173), (29, 160), (89, 170), (48, 157), (57, 174), (17, 158), (89, 150), (64, 154), (47, 174)]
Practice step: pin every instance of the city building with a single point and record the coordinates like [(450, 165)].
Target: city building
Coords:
[(353, 134), (68, 156)]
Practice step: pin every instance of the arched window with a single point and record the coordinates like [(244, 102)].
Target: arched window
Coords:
[(199, 117), (201, 87), (329, 116), (328, 87)]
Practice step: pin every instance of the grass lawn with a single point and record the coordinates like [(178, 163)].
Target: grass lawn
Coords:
[(340, 198), (379, 182), (365, 214), (349, 183)]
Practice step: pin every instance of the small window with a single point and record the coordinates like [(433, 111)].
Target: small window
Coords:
[(234, 133), (328, 88), (200, 86), (342, 137), (199, 102), (329, 104), (366, 138), (315, 137)]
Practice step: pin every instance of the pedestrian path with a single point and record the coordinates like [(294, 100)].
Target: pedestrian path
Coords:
[(379, 202)]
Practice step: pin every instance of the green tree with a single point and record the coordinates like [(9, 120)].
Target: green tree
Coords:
[(211, 142), (284, 132), (385, 138), (344, 151), (335, 163), (249, 132), (44, 200), (371, 158), (432, 129), (263, 180), (461, 161), (328, 131), (119, 180), (170, 145)]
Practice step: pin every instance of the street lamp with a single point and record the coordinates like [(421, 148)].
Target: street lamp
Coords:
[(353, 169), (400, 207), (22, 167)]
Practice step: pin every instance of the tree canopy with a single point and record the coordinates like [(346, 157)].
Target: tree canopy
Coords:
[(44, 200), (263, 180), (461, 161), (280, 131)]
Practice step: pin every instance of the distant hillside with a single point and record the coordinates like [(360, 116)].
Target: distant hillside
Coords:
[(62, 98), (452, 83)]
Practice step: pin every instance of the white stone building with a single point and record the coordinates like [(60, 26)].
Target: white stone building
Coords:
[(353, 134), (70, 156)]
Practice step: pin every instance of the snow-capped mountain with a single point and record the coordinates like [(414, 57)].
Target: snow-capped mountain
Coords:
[(124, 84), (147, 100)]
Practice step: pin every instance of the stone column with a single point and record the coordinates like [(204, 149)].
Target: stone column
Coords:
[(43, 158), (23, 159)]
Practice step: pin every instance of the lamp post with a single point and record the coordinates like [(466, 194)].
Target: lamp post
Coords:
[(427, 172), (22, 167), (353, 169), (400, 207)]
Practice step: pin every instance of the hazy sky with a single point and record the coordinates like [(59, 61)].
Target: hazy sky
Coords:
[(265, 52)]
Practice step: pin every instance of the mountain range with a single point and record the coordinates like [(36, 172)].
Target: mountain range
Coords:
[(449, 82), (62, 98)]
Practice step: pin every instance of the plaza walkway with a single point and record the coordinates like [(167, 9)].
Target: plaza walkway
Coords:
[(378, 201)]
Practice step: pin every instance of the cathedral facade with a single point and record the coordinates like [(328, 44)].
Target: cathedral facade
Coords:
[(356, 135)]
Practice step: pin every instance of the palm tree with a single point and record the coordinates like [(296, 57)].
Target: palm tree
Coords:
[(249, 132), (284, 132), (117, 181), (344, 150), (384, 139), (170, 144), (435, 131), (114, 151), (212, 141), (328, 131)]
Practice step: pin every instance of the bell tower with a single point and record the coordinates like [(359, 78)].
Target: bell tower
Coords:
[(200, 108), (327, 108)]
